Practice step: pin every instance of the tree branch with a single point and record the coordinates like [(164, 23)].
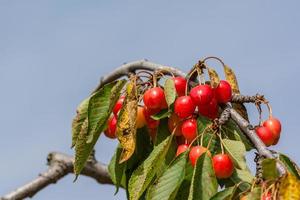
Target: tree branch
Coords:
[(59, 166), (126, 68)]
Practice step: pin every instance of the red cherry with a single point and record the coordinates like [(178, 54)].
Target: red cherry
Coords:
[(265, 135), (196, 152), (180, 85), (184, 106), (223, 166), (223, 92), (110, 132), (118, 105), (267, 196), (189, 129), (151, 123), (140, 117), (181, 148), (164, 104), (274, 126), (210, 110), (154, 97), (175, 121), (202, 94)]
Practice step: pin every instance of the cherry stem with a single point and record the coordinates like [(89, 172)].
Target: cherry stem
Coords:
[(187, 80), (200, 135), (270, 110), (221, 142), (214, 58)]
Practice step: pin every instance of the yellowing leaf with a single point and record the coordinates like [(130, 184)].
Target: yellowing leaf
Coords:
[(231, 78), (289, 187), (214, 77), (126, 128)]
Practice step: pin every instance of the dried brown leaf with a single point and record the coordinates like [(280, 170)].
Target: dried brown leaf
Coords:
[(214, 77)]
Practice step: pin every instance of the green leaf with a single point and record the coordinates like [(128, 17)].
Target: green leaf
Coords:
[(106, 98), (183, 191), (243, 178), (225, 194), (162, 114), (79, 119), (233, 132), (290, 165), (269, 170), (116, 170), (99, 108), (162, 132), (255, 194), (168, 183), (236, 150), (144, 174), (170, 91), (204, 183), (203, 123)]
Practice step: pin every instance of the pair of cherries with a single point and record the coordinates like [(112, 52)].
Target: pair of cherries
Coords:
[(270, 131), (222, 163)]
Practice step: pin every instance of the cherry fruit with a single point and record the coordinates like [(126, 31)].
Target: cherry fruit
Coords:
[(210, 110), (202, 94), (184, 106), (110, 132), (189, 129), (118, 105), (265, 135), (140, 118), (267, 196), (196, 152), (175, 122), (223, 166), (180, 85), (223, 92), (154, 98), (274, 126), (181, 148), (151, 123)]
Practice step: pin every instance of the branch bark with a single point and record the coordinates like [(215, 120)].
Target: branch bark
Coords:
[(59, 166)]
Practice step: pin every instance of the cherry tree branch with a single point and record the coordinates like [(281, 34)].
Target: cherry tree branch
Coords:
[(59, 166)]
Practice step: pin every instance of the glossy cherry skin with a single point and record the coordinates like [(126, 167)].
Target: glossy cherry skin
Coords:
[(154, 98), (201, 94), (118, 105), (266, 196), (175, 121), (274, 126), (196, 152), (180, 85), (184, 106), (181, 148), (210, 110), (223, 166), (140, 118), (151, 123), (223, 92), (110, 132), (265, 135), (189, 129)]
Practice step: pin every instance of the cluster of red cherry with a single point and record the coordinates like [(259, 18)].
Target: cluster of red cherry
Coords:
[(182, 123)]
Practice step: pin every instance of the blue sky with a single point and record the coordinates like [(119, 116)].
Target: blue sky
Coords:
[(53, 53)]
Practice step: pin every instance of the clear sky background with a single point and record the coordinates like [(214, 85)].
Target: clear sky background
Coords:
[(53, 53)]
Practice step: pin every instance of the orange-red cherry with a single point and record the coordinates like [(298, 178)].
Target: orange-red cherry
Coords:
[(140, 118), (189, 129), (202, 94), (223, 166), (196, 152), (175, 122), (223, 92), (181, 148), (274, 126), (154, 98), (110, 132), (151, 123), (118, 105), (180, 85), (265, 135), (184, 106)]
